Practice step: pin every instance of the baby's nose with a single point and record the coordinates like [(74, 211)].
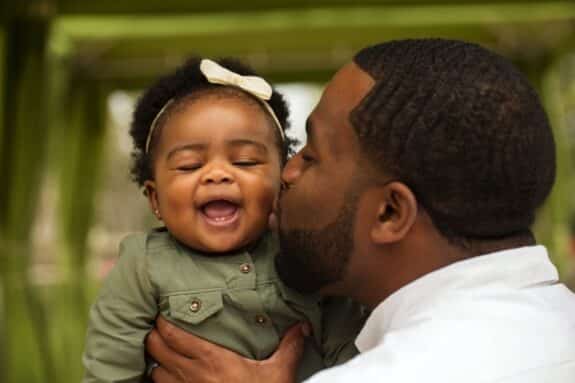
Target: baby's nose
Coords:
[(217, 176)]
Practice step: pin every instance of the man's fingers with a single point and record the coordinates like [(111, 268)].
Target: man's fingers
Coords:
[(163, 354), (184, 357), (161, 375)]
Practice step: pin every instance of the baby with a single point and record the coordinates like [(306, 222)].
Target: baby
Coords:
[(209, 145)]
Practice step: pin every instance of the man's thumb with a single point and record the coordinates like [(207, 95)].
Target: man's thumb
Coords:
[(291, 346)]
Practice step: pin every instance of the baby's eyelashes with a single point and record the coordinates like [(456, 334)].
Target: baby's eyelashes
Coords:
[(188, 167), (241, 164), (246, 163)]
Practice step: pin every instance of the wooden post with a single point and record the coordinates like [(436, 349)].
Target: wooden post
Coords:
[(3, 307), (551, 226), (80, 167), (23, 140), (81, 138), (560, 203)]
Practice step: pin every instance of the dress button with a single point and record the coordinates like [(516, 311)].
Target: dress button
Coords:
[(195, 305), (245, 268), (261, 319)]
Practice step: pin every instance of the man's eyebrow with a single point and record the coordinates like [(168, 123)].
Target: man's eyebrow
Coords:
[(194, 147), (247, 142)]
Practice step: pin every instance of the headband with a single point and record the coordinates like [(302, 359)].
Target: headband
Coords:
[(217, 74)]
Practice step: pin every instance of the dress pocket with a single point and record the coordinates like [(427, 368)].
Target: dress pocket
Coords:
[(194, 308)]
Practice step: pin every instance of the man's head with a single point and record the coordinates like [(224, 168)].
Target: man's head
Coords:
[(463, 129), (422, 144)]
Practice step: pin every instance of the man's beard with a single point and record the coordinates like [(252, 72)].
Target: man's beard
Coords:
[(312, 259)]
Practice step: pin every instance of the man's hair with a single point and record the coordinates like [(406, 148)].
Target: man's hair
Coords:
[(182, 86), (463, 129)]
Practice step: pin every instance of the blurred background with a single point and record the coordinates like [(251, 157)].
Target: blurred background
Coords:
[(71, 70)]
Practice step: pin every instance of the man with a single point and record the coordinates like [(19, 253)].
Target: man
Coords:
[(414, 195)]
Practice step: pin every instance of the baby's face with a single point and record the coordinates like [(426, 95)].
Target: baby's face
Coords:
[(216, 173)]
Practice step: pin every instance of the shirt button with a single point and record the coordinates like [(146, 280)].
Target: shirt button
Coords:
[(261, 319), (195, 305), (245, 268)]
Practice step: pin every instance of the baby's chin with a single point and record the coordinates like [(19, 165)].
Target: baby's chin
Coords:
[(207, 239), (218, 246)]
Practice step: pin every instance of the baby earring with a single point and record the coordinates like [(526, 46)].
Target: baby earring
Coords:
[(157, 213)]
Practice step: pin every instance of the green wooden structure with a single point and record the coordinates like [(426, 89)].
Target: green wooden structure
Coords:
[(59, 60)]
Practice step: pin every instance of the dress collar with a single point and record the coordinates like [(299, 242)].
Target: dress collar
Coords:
[(514, 268)]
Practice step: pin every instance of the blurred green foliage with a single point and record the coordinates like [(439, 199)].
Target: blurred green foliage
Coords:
[(59, 61)]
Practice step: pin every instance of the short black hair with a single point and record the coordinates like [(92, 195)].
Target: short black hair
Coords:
[(185, 83), (463, 129)]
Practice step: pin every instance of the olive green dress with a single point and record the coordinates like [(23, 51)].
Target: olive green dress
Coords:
[(235, 300)]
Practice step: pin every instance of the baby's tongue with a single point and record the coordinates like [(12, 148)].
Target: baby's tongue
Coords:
[(219, 209)]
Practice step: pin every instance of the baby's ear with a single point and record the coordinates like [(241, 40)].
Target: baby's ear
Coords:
[(152, 195)]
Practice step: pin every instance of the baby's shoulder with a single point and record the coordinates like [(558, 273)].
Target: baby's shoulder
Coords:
[(151, 243), (146, 246), (167, 264)]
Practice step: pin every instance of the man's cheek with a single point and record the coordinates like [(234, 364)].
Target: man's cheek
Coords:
[(302, 214)]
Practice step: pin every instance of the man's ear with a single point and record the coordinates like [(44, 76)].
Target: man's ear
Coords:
[(151, 193), (396, 214)]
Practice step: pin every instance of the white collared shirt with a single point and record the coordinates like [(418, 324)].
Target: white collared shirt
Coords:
[(497, 318)]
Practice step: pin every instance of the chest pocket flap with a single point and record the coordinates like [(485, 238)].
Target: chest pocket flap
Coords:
[(195, 307)]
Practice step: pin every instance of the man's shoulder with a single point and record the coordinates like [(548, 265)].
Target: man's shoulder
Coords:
[(472, 338), (372, 367), (439, 350)]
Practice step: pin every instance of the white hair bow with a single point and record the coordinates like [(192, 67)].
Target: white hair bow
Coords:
[(254, 85), (217, 74)]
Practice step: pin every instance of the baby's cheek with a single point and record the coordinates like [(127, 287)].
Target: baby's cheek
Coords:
[(261, 191), (268, 196)]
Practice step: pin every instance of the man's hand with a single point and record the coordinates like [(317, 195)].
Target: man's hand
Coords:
[(185, 358)]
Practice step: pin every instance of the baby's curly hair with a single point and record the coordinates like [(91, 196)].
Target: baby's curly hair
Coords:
[(185, 84)]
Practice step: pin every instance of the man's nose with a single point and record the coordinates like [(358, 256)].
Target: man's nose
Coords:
[(292, 170), (217, 175)]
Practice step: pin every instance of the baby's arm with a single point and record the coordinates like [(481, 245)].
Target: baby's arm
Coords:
[(342, 319), (122, 315)]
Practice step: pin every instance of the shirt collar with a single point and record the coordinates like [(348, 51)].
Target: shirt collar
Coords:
[(514, 268)]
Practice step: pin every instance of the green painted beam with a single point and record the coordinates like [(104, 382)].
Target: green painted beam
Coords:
[(178, 6), (297, 41), (126, 27), (291, 51)]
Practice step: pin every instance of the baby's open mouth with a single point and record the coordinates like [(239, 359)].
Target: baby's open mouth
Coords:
[(220, 212)]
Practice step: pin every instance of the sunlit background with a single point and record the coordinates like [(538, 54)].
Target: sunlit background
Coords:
[(71, 71)]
